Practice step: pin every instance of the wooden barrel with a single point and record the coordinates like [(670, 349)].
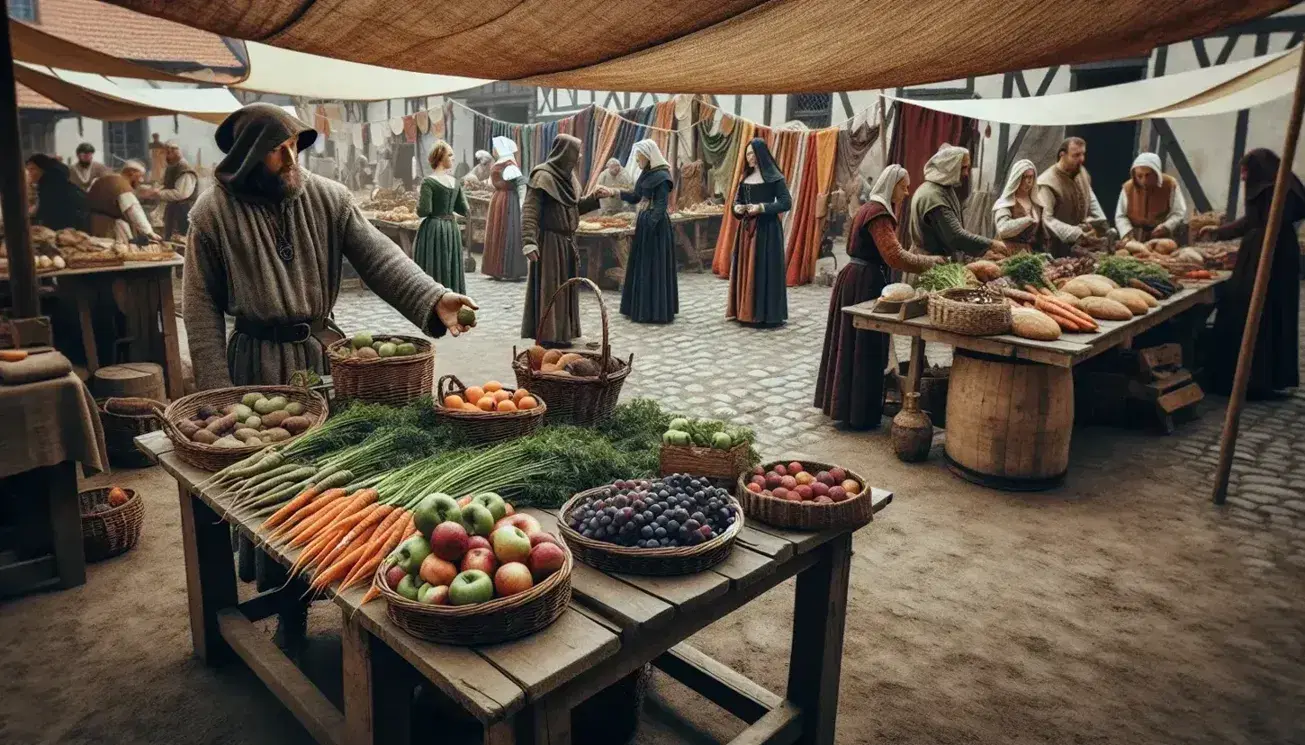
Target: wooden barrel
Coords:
[(1009, 421)]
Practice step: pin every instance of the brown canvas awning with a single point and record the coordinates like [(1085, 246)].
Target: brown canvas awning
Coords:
[(726, 46)]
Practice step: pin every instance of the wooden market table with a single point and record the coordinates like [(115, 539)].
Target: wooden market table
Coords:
[(1060, 355), (690, 231), (523, 691)]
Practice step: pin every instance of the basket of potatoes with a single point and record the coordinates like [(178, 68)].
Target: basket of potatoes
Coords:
[(213, 429)]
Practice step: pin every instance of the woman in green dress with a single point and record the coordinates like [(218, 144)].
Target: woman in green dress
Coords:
[(438, 249)]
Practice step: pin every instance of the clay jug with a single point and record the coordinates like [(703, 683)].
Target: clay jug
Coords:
[(912, 432)]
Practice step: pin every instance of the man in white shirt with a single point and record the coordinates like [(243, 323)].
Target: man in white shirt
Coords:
[(1151, 204), (115, 211), (86, 170), (180, 188)]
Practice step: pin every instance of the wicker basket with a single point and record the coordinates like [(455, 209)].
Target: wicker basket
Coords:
[(704, 461), (115, 531), (123, 420), (571, 400), (782, 513), (210, 457), (669, 561), (948, 311), (483, 426), (498, 620), (384, 380)]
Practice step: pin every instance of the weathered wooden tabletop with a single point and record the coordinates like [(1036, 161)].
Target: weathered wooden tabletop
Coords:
[(615, 624)]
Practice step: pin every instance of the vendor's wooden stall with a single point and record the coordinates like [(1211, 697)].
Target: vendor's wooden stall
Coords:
[(695, 236), (524, 690), (1010, 409)]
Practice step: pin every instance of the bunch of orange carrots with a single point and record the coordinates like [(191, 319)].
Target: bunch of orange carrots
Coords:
[(1067, 316)]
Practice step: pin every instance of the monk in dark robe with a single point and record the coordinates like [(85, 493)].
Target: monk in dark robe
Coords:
[(266, 246), (1275, 361), (549, 219)]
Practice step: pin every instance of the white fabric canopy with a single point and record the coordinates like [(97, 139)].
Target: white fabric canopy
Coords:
[(1212, 90), (99, 97), (276, 70)]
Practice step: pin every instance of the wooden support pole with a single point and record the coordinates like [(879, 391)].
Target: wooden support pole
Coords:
[(883, 129), (13, 190), (1232, 420)]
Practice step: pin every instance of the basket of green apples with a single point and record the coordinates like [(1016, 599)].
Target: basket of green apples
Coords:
[(476, 572)]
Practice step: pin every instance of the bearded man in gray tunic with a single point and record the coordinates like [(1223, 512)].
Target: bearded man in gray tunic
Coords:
[(266, 246)]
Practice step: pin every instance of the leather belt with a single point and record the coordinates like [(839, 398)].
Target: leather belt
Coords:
[(445, 217), (280, 333)]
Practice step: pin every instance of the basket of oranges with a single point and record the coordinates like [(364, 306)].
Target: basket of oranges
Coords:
[(489, 412)]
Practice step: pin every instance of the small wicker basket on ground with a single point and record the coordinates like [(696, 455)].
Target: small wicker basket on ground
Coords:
[(704, 461), (384, 380), (783, 513), (211, 457), (668, 561), (486, 426), (495, 621), (572, 400), (113, 531), (123, 420), (954, 310)]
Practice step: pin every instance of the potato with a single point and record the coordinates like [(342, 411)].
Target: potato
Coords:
[(229, 442), (1033, 324), (275, 434), (244, 434), (222, 424), (188, 429), (208, 411), (1105, 309), (275, 418), (296, 424), (1129, 300), (205, 437), (251, 398), (1163, 245), (984, 270), (241, 411), (1135, 246), (254, 422), (254, 442), (294, 408), (269, 405)]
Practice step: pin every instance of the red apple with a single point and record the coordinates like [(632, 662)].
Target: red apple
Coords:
[(788, 482), (819, 489), (482, 559), (754, 487), (464, 501), (851, 486), (510, 544), (393, 576), (780, 493), (449, 540), (759, 471), (512, 578), (780, 469), (435, 596), (837, 493), (542, 537), (508, 509), (545, 558), (478, 541), (804, 492), (757, 480), (772, 480), (526, 523), (795, 468), (437, 571), (837, 475), (822, 500), (824, 478)]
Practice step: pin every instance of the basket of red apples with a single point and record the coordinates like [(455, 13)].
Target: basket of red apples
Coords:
[(804, 496), (475, 572)]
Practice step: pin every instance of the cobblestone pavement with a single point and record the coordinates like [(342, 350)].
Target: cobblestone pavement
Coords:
[(764, 378)]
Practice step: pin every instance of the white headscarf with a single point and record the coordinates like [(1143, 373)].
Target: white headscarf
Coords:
[(650, 151), (1148, 160), (944, 168), (482, 157), (504, 148), (882, 191), (1013, 176)]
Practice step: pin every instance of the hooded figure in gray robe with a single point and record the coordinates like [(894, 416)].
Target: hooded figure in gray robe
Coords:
[(267, 247)]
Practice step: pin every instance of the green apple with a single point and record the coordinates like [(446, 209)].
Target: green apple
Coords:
[(409, 587), (478, 519), (472, 586), (411, 553), (434, 509), (497, 507)]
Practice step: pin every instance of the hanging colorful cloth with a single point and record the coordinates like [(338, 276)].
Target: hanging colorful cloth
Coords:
[(320, 122), (410, 130), (423, 121), (729, 224), (810, 196), (396, 126)]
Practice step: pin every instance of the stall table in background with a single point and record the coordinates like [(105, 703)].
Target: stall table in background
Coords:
[(524, 690)]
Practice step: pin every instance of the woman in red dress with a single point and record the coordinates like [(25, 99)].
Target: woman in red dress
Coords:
[(503, 258)]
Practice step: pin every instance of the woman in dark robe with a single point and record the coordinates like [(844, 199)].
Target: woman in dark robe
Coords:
[(850, 385), (549, 219), (757, 284), (59, 202), (1275, 361), (651, 292), (503, 258)]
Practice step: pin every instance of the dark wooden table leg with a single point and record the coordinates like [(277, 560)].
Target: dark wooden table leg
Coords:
[(916, 368), (86, 320), (356, 667), (66, 524), (172, 373), (210, 575), (815, 663), (393, 682)]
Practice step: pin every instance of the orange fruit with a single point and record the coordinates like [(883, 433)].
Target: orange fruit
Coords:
[(501, 395), (485, 403), (473, 394), (506, 405), (493, 386), (470, 407), (520, 394), (453, 402), (527, 402)]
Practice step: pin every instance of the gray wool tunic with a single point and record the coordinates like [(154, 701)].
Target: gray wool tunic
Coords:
[(232, 268)]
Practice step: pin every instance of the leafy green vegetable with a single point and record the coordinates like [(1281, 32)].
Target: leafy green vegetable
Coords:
[(945, 277), (1124, 268), (1026, 269)]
